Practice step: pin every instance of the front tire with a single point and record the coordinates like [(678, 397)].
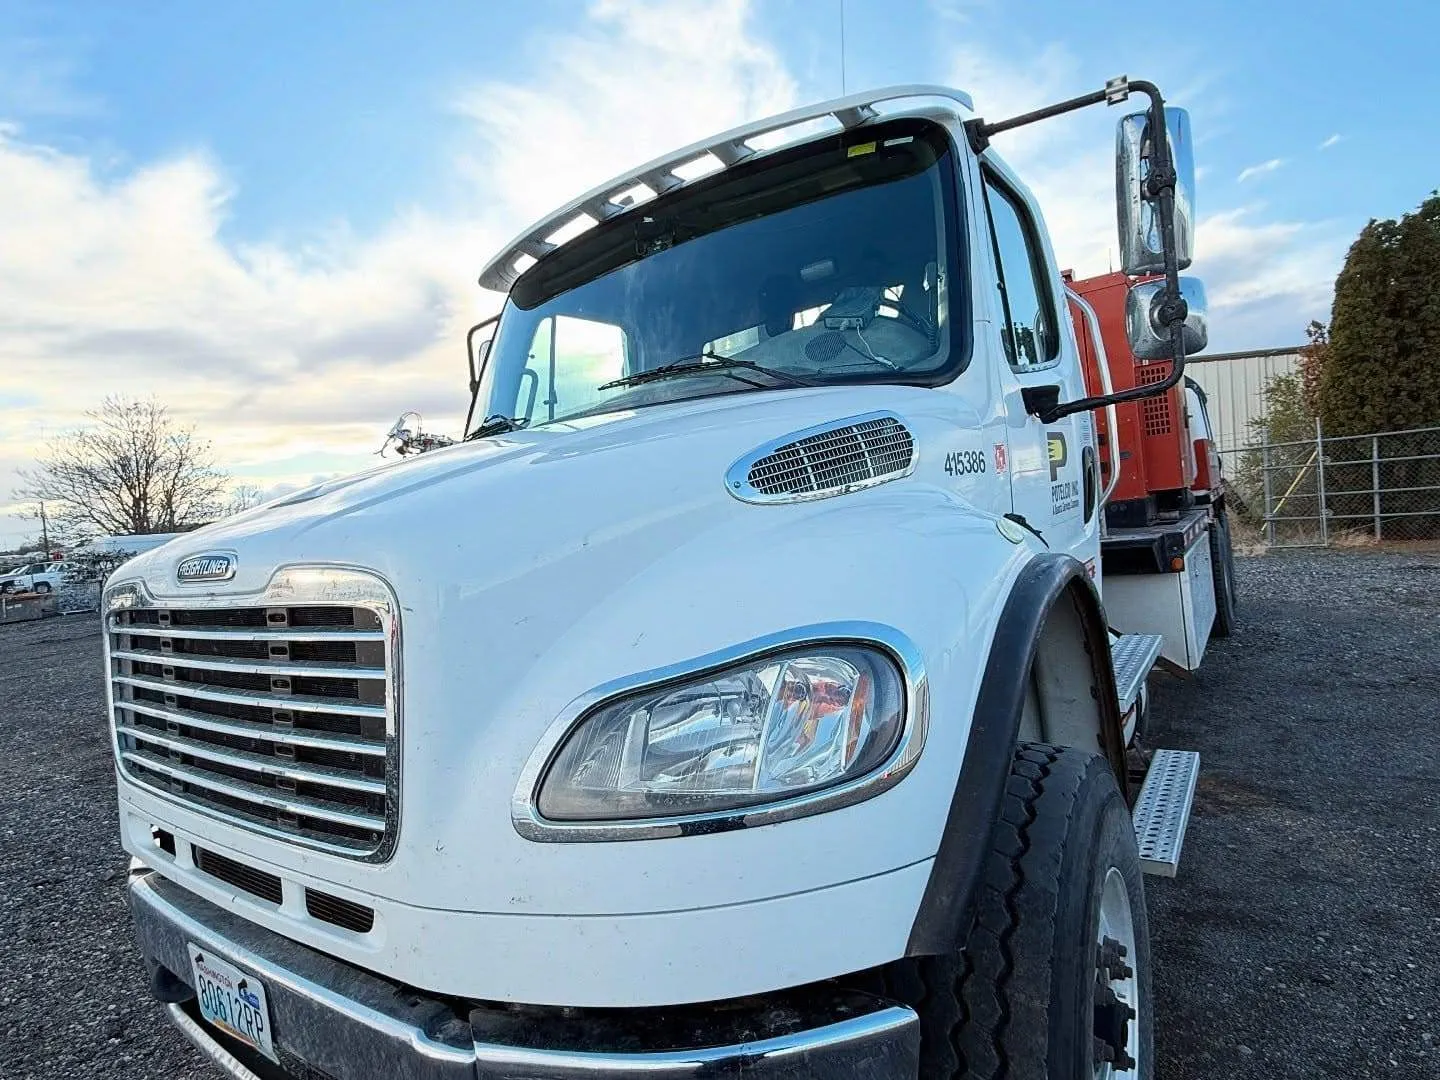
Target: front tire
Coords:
[(1053, 982)]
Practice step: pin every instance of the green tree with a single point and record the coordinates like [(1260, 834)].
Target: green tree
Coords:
[(1286, 430), (1381, 367)]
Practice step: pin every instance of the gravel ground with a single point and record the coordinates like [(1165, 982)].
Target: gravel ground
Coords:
[(73, 1001), (1299, 940)]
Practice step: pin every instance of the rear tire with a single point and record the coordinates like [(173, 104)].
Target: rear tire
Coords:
[(42, 587), (1222, 572), (1024, 999)]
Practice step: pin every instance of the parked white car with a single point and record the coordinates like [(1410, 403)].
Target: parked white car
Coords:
[(40, 577)]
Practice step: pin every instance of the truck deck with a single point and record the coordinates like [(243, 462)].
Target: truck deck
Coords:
[(1153, 549)]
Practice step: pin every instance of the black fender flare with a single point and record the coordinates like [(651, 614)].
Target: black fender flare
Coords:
[(1051, 578)]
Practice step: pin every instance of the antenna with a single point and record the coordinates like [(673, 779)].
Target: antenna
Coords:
[(842, 48)]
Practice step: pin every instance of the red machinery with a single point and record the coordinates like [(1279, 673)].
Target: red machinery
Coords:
[(1160, 442)]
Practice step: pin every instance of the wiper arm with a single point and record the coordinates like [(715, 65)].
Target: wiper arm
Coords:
[(497, 425), (704, 363)]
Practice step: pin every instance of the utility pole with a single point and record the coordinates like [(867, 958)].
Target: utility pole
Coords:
[(44, 531)]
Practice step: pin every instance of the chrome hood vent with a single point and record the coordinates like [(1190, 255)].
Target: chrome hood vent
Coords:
[(831, 459)]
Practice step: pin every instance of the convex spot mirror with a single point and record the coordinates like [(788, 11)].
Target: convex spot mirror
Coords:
[(1148, 338), (1139, 219)]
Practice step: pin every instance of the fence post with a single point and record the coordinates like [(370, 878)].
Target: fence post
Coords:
[(1375, 479), (1320, 484), (1265, 472)]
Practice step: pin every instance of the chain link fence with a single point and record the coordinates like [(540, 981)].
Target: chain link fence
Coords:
[(1330, 490)]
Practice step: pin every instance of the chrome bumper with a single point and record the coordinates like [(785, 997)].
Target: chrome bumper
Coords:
[(332, 1019)]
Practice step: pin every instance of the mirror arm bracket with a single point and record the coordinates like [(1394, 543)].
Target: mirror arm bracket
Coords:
[(1160, 190)]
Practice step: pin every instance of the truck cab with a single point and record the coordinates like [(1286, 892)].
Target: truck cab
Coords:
[(736, 697)]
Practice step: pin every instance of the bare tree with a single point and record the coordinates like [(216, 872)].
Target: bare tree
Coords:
[(243, 497), (132, 469)]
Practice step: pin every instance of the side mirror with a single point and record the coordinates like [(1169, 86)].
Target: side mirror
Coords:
[(477, 355), (1148, 340), (1140, 249)]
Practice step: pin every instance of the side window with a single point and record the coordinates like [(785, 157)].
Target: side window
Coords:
[(1031, 332), (569, 360)]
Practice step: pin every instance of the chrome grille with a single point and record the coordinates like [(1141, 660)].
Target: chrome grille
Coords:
[(277, 718), (830, 461)]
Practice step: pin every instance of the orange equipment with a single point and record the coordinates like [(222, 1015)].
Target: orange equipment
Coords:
[(1156, 454)]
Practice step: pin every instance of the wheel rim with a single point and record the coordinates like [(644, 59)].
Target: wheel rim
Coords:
[(1117, 984)]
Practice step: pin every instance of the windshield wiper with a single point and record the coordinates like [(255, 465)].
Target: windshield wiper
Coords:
[(497, 425), (704, 363)]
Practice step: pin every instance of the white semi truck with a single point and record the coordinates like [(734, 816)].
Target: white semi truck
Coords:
[(744, 694)]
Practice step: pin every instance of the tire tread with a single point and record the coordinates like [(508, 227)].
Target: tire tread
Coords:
[(976, 1024)]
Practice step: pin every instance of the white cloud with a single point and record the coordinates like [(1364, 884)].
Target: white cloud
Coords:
[(1330, 141), (1252, 171), (295, 358), (644, 79)]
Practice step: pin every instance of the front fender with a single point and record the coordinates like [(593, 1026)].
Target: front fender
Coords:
[(913, 559), (1049, 585)]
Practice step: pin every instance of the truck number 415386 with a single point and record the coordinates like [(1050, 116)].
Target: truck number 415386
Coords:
[(964, 462)]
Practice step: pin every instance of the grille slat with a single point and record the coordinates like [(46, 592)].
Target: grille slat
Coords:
[(850, 455), (256, 793), (318, 633), (243, 730), (317, 669), (275, 718), (295, 702), (259, 763)]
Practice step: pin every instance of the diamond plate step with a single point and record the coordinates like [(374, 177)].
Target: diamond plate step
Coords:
[(1162, 811), (1133, 655)]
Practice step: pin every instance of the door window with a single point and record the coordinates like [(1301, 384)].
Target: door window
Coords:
[(569, 360), (1030, 333)]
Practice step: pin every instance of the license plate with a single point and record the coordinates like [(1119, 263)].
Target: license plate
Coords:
[(232, 1000)]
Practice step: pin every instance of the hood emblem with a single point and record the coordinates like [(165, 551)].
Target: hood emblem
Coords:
[(212, 566)]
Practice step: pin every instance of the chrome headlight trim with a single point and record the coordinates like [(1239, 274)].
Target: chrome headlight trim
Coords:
[(529, 823)]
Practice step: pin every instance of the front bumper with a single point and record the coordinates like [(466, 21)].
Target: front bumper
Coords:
[(331, 1019)]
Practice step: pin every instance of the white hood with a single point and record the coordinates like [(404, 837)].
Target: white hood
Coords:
[(533, 567)]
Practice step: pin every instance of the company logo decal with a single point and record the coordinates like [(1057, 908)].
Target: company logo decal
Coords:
[(1064, 494), (1059, 453), (1002, 457), (215, 566)]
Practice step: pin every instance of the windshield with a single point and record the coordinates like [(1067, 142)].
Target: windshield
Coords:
[(833, 262)]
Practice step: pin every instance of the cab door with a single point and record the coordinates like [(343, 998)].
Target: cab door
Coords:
[(1054, 468)]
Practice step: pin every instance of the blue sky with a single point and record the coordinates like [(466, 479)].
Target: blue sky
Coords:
[(270, 215)]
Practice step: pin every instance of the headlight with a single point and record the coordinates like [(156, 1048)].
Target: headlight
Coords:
[(759, 732)]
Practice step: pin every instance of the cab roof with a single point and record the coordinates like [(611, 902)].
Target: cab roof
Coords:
[(701, 159)]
